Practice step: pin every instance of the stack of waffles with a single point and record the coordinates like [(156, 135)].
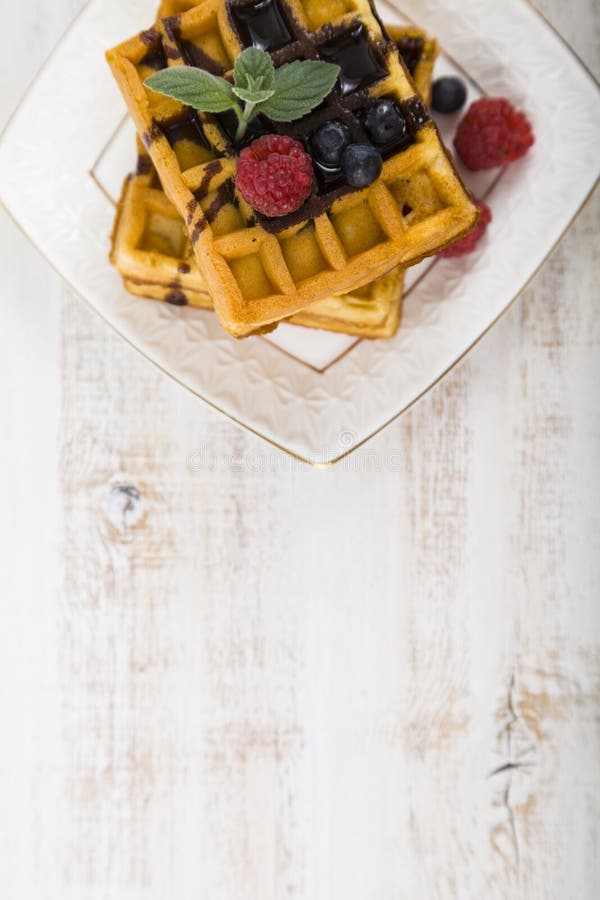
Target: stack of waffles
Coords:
[(184, 235)]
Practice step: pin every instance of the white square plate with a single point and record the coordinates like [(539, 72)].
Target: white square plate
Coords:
[(315, 395)]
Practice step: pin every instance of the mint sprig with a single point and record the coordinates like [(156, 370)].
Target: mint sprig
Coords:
[(284, 94)]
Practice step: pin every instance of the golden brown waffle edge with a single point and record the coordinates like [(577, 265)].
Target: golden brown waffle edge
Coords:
[(151, 251)]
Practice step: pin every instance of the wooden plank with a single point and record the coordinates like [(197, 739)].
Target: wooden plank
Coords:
[(228, 676)]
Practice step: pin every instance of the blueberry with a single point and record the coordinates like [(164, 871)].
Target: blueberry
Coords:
[(329, 142), (385, 123), (449, 95), (361, 165)]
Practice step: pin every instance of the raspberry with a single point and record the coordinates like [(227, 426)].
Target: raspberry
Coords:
[(492, 133), (274, 175), (469, 243)]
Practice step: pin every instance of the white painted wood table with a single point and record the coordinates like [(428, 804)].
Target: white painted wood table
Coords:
[(342, 685)]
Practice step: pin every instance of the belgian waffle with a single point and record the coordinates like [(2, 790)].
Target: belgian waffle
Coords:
[(152, 251), (261, 270)]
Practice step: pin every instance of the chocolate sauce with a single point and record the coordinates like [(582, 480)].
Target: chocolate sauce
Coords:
[(155, 58), (195, 56), (357, 58), (228, 122), (144, 165), (213, 168), (149, 36), (379, 20), (327, 176), (197, 230), (411, 51), (261, 24), (315, 206), (172, 52), (416, 114), (151, 135), (185, 128), (176, 298), (191, 208), (225, 195)]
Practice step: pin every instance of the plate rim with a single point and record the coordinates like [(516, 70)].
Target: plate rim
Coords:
[(344, 454)]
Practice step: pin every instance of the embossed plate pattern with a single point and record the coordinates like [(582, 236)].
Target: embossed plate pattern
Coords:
[(506, 48)]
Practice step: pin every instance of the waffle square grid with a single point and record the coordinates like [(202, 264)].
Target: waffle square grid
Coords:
[(152, 251), (417, 49)]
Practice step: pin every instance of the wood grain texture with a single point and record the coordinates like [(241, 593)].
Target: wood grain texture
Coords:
[(228, 676)]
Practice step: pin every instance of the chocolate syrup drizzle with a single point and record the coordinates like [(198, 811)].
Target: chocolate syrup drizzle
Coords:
[(411, 51), (270, 25)]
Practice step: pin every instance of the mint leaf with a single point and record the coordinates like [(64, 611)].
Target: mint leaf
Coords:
[(252, 95), (194, 87), (253, 68), (299, 87), (283, 94)]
